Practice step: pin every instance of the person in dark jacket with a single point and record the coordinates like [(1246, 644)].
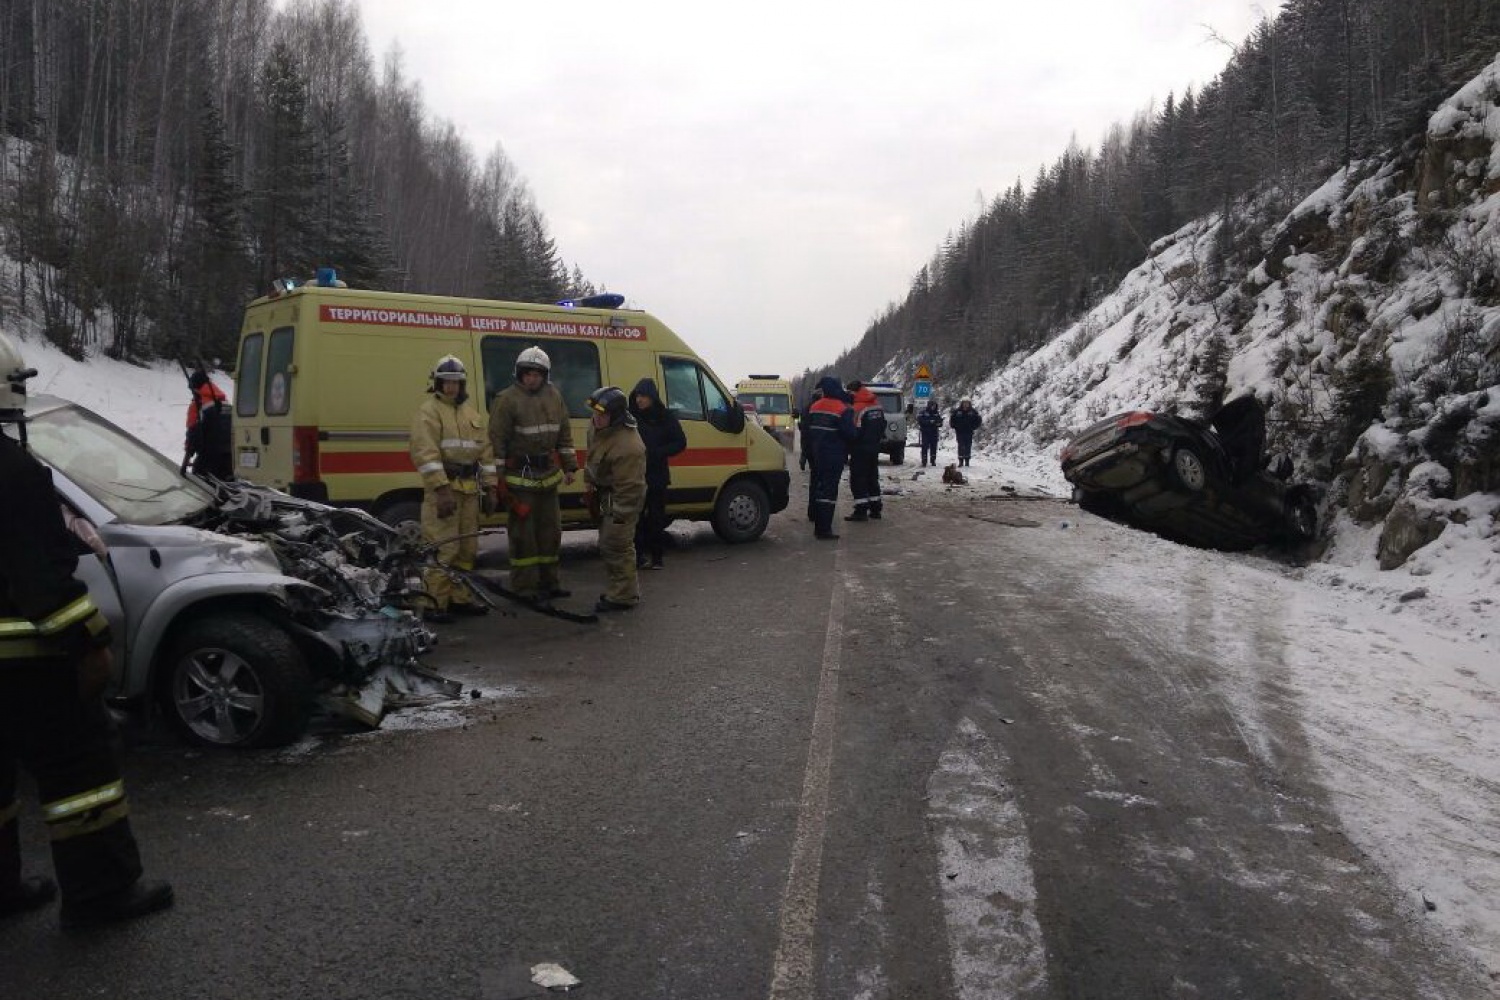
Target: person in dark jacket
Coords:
[(929, 425), (804, 456), (662, 434), (829, 431), (55, 662), (864, 455), (965, 421)]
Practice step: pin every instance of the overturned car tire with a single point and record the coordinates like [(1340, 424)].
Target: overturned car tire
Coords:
[(236, 681)]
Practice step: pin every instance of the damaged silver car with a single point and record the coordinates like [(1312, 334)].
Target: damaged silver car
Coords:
[(236, 610)]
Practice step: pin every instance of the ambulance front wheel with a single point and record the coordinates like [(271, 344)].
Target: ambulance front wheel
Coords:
[(742, 512)]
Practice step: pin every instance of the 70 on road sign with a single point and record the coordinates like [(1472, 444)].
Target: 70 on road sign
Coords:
[(921, 389)]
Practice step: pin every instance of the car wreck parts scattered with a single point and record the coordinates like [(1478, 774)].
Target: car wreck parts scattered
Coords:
[(1203, 484)]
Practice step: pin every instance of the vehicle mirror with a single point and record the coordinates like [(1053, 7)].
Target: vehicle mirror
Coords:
[(730, 421)]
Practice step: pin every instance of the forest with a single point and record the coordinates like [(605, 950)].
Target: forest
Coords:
[(165, 160), (1323, 83)]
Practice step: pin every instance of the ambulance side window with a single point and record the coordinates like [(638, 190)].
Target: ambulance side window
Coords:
[(575, 368), (247, 375), (278, 382), (692, 394)]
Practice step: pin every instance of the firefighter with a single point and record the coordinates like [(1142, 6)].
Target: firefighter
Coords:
[(864, 455), (54, 663), (616, 478), (208, 445), (533, 445), (829, 431), (452, 454)]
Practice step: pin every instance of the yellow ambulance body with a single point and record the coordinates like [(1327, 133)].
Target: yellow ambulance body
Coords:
[(771, 396), (328, 378)]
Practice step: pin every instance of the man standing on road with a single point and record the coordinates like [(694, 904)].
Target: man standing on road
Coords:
[(452, 455), (54, 664), (864, 455), (531, 437), (616, 478), (661, 433), (830, 432), (929, 425), (965, 421)]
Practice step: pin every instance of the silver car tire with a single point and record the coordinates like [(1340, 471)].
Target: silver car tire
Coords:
[(237, 681)]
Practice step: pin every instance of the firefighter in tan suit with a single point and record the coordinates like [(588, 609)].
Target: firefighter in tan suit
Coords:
[(531, 437), (452, 454), (616, 477)]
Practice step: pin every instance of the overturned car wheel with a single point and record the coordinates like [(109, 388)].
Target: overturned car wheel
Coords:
[(237, 681), (1187, 468)]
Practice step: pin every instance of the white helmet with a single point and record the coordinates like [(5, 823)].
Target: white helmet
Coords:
[(534, 357), (450, 369), (13, 376)]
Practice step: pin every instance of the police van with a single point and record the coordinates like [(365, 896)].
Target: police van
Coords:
[(328, 378), (771, 398)]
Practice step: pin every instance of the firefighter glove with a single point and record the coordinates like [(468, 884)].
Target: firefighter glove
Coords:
[(447, 503)]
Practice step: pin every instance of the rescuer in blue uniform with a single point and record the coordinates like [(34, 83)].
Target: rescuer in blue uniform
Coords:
[(829, 432)]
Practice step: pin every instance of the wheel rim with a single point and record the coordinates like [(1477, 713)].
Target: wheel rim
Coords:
[(743, 513), (1189, 469), (218, 696)]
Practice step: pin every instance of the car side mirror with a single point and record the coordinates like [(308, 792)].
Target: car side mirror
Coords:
[(730, 421)]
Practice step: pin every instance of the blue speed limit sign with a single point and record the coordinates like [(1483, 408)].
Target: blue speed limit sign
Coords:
[(922, 389)]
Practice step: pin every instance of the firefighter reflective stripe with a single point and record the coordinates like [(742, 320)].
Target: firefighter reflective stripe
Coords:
[(534, 561), (547, 482), (539, 429), (487, 470), (459, 443), (10, 627), (80, 610), (427, 467), (84, 801)]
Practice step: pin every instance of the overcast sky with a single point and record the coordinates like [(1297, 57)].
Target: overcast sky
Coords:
[(765, 180)]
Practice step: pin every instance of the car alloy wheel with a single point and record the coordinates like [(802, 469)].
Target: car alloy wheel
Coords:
[(1188, 468)]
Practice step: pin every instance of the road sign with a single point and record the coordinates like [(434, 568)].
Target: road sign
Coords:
[(924, 373), (922, 389)]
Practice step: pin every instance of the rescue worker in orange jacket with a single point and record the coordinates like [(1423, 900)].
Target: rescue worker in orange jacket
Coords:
[(54, 663), (531, 437), (864, 455), (829, 431), (452, 454), (207, 446)]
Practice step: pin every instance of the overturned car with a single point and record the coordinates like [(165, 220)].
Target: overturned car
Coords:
[(1204, 484), (236, 610)]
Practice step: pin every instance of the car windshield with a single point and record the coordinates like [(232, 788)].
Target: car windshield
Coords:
[(137, 484), (889, 402), (767, 402)]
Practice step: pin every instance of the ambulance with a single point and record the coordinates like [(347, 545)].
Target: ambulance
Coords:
[(328, 378), (770, 398)]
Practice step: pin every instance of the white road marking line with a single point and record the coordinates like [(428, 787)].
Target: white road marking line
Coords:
[(792, 972), (989, 895)]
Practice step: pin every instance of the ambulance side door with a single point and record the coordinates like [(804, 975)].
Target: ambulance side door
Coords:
[(714, 424)]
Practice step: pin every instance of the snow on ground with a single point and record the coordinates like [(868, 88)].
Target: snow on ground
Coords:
[(1397, 674), (1398, 671)]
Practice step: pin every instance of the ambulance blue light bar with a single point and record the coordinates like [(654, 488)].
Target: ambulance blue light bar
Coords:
[(607, 300)]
